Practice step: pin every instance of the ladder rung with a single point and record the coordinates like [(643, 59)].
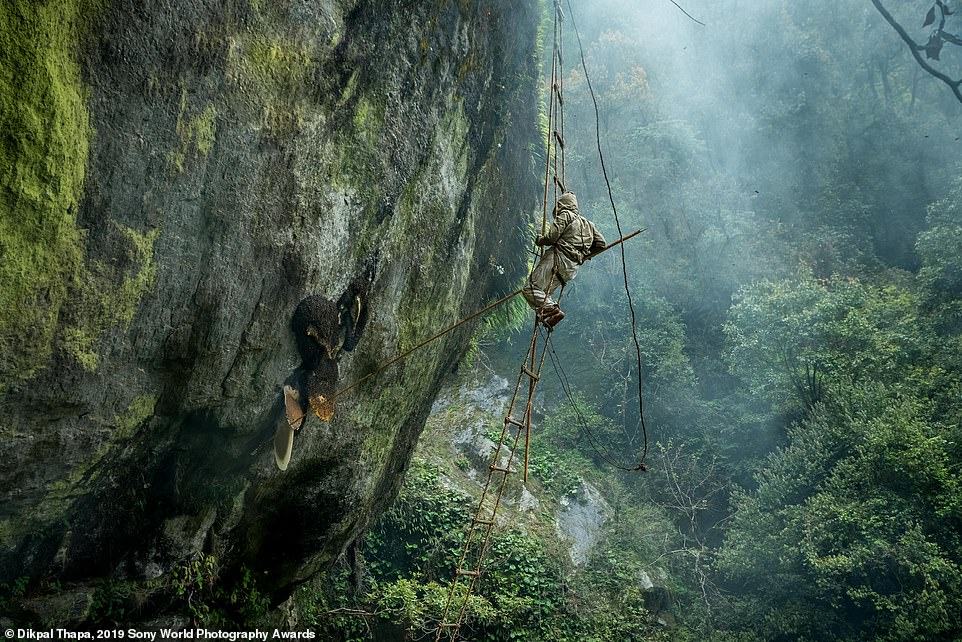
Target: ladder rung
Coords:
[(485, 522), (529, 373), (461, 571), (511, 420), (448, 625), (499, 469), (559, 139)]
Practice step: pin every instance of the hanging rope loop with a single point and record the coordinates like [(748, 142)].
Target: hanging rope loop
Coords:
[(624, 263)]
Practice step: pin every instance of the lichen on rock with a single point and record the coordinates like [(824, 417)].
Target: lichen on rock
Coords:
[(43, 154), (44, 275)]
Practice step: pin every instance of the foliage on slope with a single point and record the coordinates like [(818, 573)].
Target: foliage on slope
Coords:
[(530, 589)]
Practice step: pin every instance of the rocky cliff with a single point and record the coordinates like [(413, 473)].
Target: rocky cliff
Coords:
[(175, 177)]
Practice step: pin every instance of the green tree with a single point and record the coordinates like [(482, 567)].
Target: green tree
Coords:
[(854, 529), (789, 338)]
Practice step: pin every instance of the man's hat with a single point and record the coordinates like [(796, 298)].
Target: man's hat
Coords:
[(568, 201)]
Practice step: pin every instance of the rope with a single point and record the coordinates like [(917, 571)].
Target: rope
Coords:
[(594, 442), (531, 366), (434, 337), (547, 149), (614, 209), (485, 533), (390, 362)]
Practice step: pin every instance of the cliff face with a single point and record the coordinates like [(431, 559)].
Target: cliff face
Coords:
[(177, 176)]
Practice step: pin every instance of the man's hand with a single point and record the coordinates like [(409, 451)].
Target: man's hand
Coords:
[(541, 241)]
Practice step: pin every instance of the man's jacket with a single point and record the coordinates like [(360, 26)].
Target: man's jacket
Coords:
[(573, 236)]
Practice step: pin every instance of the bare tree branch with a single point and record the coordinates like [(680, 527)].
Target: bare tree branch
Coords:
[(915, 48)]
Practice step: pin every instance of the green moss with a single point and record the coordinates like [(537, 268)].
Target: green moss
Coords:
[(60, 493), (197, 133), (43, 154), (203, 128), (109, 297), (334, 40), (349, 88), (358, 159), (423, 213), (273, 71), (137, 412), (79, 344), (360, 155), (368, 120)]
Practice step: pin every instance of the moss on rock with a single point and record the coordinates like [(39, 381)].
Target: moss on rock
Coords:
[(301, 165), (270, 71), (43, 154), (197, 133), (109, 295), (139, 410)]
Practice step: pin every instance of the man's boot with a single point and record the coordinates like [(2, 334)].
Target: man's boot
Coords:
[(546, 312), (550, 315), (555, 318)]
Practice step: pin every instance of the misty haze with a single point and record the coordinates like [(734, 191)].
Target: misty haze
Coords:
[(481, 320)]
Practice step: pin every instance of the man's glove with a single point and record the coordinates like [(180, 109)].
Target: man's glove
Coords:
[(541, 241)]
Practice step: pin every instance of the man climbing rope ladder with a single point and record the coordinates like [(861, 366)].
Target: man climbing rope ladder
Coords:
[(571, 239)]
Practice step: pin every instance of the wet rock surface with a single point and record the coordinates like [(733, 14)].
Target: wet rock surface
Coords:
[(580, 521), (244, 156)]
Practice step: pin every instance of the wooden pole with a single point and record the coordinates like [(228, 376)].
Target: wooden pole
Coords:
[(491, 306)]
